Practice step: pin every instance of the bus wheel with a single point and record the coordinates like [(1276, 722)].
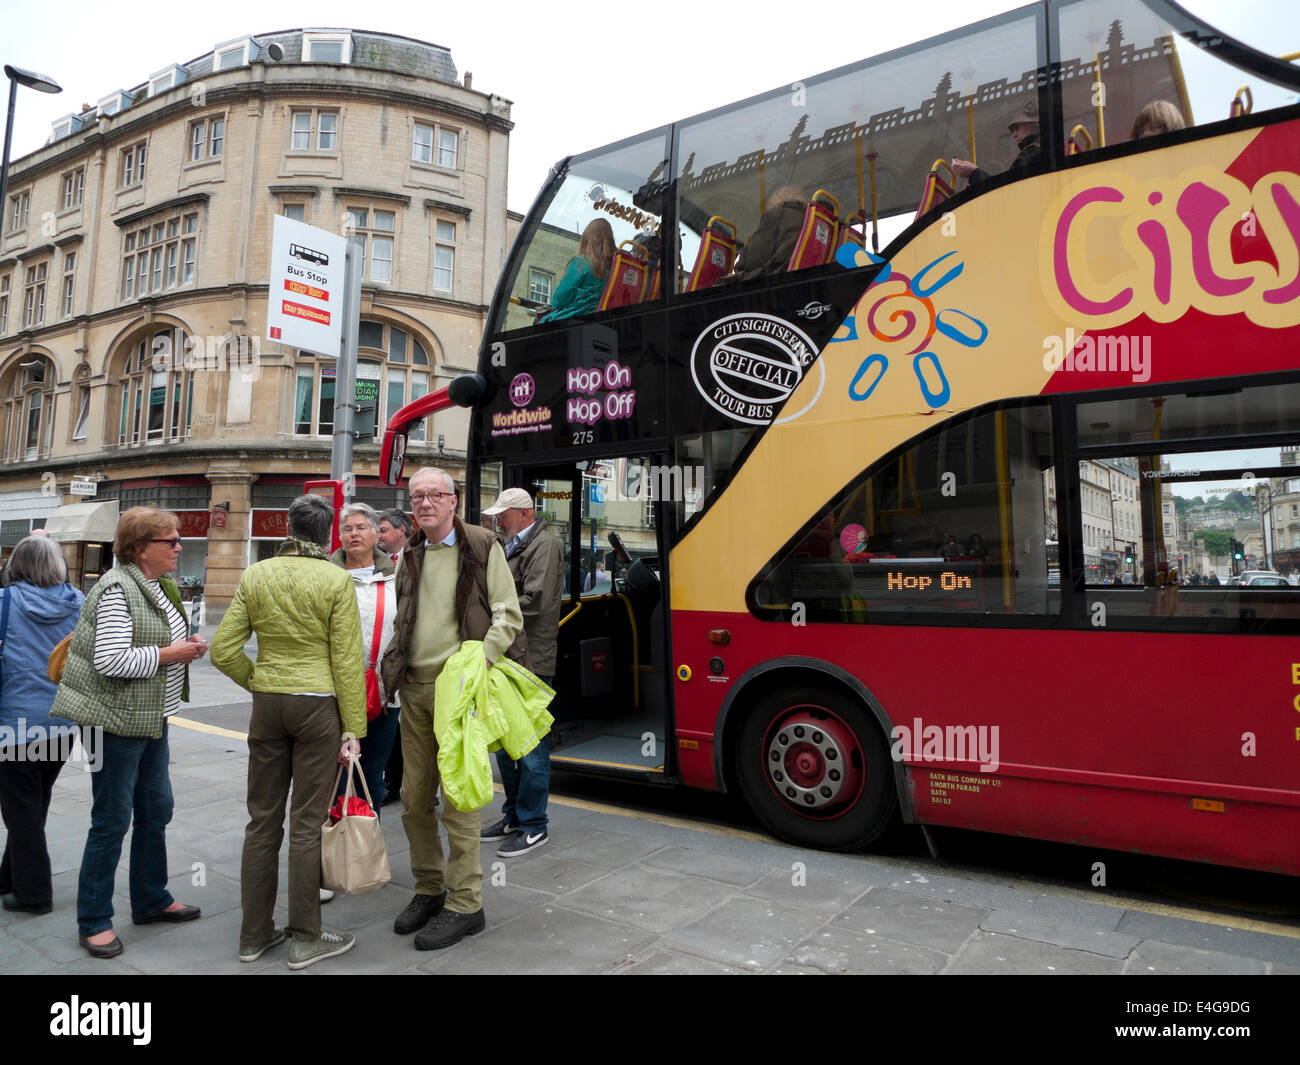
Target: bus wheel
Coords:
[(815, 769)]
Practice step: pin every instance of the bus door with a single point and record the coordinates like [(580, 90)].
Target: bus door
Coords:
[(611, 705)]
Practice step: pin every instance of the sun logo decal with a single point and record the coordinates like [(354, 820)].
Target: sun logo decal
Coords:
[(897, 311)]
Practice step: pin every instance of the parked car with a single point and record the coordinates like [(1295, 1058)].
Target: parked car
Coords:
[(1265, 580)]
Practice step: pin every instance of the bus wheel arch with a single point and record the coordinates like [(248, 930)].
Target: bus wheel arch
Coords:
[(810, 756)]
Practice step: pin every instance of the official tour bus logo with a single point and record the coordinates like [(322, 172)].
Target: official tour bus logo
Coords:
[(746, 365), (522, 389)]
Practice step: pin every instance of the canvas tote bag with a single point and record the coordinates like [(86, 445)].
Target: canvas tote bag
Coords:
[(353, 857)]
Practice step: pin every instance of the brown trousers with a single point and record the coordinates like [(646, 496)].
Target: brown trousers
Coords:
[(292, 739), (460, 872)]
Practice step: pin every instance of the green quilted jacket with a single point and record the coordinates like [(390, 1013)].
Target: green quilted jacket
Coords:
[(304, 611), (124, 707)]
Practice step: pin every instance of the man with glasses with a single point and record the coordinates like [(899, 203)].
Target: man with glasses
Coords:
[(453, 585)]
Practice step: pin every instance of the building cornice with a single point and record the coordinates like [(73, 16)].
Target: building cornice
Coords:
[(294, 190), (450, 208), (35, 253), (372, 194), (176, 203)]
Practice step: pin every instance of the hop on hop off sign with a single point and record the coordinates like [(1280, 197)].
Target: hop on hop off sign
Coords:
[(304, 308)]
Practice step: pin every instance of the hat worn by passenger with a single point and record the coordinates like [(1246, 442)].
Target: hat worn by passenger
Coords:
[(1026, 115), (508, 500)]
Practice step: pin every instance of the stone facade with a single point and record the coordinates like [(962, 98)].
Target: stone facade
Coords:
[(134, 263)]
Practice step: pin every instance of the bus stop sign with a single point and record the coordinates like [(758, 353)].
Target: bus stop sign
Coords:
[(304, 307)]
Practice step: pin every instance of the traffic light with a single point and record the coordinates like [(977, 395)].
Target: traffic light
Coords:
[(1238, 550), (1128, 555)]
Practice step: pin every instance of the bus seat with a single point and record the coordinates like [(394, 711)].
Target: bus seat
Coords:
[(849, 235), (1242, 103), (717, 253), (627, 277), (816, 243), (1080, 140), (936, 190), (654, 283)]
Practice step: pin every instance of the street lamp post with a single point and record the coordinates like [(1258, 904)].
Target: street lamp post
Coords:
[(17, 76)]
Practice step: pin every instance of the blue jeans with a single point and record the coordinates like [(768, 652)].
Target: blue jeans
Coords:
[(376, 746), (527, 784), (131, 783)]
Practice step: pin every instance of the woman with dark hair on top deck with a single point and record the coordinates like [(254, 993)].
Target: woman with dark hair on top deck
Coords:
[(579, 290), (127, 672), (39, 608)]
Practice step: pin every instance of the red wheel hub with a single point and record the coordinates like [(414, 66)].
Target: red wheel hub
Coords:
[(814, 761)]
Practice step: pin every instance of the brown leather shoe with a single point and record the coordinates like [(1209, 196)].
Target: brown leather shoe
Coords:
[(111, 949)]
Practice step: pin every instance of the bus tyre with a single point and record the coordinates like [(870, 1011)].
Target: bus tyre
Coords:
[(814, 767)]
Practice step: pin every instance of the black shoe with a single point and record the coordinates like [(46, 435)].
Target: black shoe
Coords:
[(392, 794), (449, 928), (418, 913), (10, 902), (521, 843), (497, 830), (111, 949), (185, 913)]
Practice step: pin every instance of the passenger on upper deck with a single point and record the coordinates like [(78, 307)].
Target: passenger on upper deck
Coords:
[(1024, 127), (1159, 116), (768, 251), (584, 280)]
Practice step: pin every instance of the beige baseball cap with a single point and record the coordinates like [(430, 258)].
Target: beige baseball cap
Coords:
[(510, 499)]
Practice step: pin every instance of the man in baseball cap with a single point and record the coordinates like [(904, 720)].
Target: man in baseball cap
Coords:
[(536, 560)]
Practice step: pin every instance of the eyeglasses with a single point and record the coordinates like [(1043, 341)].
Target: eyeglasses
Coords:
[(175, 541), (432, 497)]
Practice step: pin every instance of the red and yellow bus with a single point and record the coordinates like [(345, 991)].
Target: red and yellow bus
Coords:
[(911, 494)]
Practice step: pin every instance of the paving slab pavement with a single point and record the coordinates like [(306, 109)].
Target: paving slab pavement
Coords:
[(613, 894)]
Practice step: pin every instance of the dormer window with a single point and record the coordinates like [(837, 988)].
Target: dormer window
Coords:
[(232, 54), (166, 79), (114, 102), (326, 47)]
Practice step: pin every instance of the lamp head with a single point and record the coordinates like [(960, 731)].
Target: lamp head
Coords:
[(32, 80)]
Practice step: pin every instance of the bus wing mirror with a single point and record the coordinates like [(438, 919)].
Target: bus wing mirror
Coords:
[(465, 391)]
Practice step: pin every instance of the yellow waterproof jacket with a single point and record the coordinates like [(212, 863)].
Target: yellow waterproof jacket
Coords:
[(478, 710)]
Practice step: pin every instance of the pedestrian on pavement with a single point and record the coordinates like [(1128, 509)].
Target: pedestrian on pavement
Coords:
[(536, 560), (38, 608), (309, 704), (372, 573), (127, 671), (453, 584), (395, 529)]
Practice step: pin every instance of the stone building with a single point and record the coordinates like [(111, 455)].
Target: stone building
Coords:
[(134, 263)]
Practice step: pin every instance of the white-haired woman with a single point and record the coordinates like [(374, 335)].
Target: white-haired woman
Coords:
[(375, 579), (38, 608)]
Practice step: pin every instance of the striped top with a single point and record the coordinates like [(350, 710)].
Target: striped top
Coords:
[(114, 655)]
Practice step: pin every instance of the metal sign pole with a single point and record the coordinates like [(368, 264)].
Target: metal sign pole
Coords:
[(345, 383)]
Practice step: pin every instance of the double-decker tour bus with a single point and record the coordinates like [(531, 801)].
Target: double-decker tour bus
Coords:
[(893, 490)]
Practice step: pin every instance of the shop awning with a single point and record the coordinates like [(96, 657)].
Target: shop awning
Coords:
[(83, 522)]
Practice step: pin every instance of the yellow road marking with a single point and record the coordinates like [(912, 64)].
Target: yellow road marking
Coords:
[(215, 730), (1159, 909)]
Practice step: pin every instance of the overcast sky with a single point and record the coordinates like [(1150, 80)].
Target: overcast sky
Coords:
[(580, 74)]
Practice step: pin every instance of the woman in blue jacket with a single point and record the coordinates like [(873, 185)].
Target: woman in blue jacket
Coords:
[(579, 290), (37, 609)]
